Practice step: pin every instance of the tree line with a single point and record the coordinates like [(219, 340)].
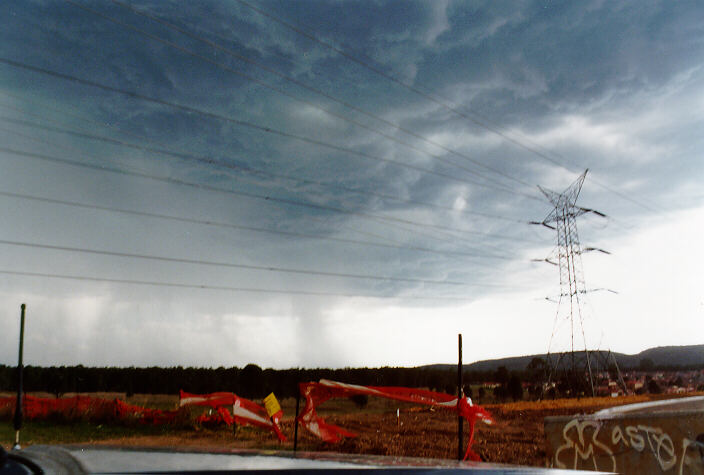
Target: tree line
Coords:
[(250, 381), (254, 382)]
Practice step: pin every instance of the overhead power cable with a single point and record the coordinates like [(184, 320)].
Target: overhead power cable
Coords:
[(218, 287), (288, 59), (356, 230), (293, 80), (389, 77), (497, 185), (242, 123), (436, 100), (241, 266), (254, 229), (443, 236), (64, 112), (136, 174), (246, 169), (286, 94), (436, 234)]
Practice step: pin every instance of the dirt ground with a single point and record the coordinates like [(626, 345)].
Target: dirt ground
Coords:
[(516, 437)]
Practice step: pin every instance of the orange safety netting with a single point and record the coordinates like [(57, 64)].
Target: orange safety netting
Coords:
[(317, 393), (41, 408)]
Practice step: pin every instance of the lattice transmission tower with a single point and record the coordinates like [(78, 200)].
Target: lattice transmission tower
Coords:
[(567, 256)]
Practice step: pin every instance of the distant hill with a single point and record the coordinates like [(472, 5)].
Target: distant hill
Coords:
[(674, 355), (661, 356)]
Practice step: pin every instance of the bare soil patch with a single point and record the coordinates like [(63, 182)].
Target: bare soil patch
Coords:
[(517, 437)]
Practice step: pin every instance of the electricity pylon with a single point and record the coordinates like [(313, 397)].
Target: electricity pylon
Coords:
[(567, 255)]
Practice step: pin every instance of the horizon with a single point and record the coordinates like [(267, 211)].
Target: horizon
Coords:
[(363, 367)]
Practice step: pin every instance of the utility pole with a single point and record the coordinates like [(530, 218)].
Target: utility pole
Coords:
[(20, 369), (460, 395)]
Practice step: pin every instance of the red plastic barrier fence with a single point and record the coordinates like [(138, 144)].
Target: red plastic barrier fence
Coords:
[(244, 411), (40, 408), (6, 402), (317, 393), (145, 414)]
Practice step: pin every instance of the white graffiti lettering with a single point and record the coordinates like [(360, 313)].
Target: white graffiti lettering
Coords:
[(637, 441), (617, 436), (581, 447), (692, 458), (584, 450)]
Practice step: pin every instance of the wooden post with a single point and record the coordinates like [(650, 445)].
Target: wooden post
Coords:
[(295, 427), (460, 394), (20, 368)]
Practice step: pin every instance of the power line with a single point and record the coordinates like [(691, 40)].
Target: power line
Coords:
[(240, 266), (246, 169), (239, 122), (137, 174), (501, 186), (284, 93), (433, 99), (385, 75), (214, 287), (237, 226), (447, 237), (437, 235), (294, 81), (62, 111)]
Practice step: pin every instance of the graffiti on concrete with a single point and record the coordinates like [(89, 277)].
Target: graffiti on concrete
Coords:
[(581, 445), (591, 444)]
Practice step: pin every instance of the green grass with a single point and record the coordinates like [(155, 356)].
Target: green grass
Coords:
[(45, 432)]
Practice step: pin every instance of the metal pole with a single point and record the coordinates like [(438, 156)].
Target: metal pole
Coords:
[(18, 406), (295, 427), (460, 394)]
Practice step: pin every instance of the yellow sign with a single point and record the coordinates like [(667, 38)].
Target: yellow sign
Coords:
[(271, 404)]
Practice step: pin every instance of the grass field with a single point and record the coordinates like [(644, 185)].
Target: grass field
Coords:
[(47, 432)]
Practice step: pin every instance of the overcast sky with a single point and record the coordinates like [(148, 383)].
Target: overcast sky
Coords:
[(331, 184)]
